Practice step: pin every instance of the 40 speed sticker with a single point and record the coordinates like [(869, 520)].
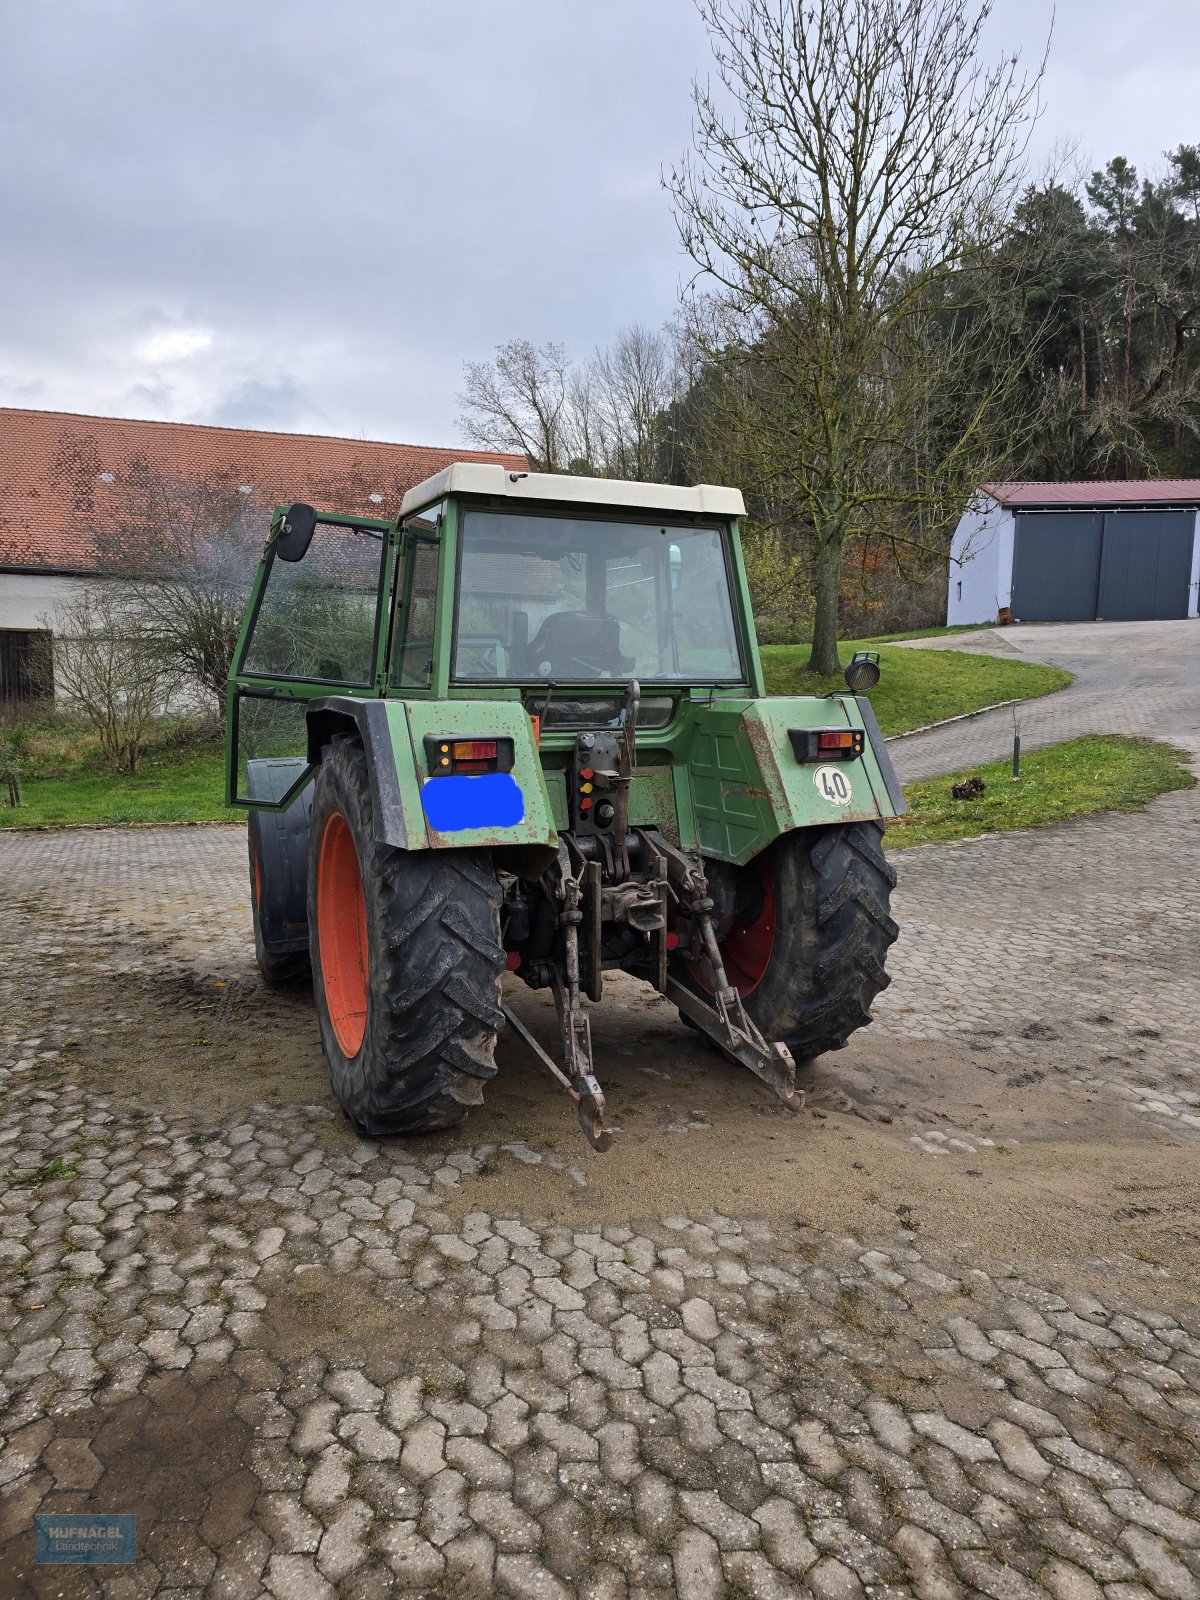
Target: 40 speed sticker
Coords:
[(832, 785)]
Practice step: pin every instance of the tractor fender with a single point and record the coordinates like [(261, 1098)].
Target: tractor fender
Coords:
[(396, 735), (369, 719), (749, 785), (279, 852)]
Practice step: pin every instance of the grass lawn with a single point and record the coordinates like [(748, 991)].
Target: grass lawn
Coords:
[(1100, 773), (182, 780), (64, 781), (924, 633), (917, 687)]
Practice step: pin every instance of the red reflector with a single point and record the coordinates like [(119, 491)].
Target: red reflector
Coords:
[(836, 741), (474, 750), (672, 941), (472, 766), (586, 803), (512, 961), (587, 773)]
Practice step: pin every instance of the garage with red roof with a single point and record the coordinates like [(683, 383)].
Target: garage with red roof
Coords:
[(1077, 552)]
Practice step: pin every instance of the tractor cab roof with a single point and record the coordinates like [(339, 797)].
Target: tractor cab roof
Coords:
[(494, 481)]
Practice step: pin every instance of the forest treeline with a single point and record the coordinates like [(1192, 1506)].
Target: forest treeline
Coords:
[(1089, 302)]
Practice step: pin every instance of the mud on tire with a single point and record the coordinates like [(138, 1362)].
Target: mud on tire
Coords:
[(427, 937), (832, 931)]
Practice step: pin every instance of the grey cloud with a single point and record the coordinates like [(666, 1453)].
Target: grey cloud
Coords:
[(149, 399), (278, 404)]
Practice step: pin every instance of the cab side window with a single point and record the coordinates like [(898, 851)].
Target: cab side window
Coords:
[(316, 618), (412, 650)]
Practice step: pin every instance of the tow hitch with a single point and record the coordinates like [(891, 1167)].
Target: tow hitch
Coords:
[(584, 903), (575, 1029)]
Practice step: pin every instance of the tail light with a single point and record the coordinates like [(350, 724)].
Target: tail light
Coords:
[(466, 756), (827, 744)]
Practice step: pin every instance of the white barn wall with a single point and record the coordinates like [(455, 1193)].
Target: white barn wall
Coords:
[(30, 600), (1194, 581), (27, 597), (981, 564)]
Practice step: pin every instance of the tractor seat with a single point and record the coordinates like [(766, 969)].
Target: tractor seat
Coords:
[(577, 644)]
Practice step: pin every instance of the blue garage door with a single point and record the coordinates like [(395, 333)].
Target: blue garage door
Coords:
[(1145, 565), (1056, 566)]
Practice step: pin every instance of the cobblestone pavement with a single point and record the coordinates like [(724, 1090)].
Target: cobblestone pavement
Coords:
[(315, 1367), (1075, 947), (1091, 903), (1130, 677)]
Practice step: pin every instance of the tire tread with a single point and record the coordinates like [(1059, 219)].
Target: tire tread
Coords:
[(853, 934), (435, 976)]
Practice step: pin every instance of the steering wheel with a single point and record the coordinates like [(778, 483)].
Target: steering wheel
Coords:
[(481, 658)]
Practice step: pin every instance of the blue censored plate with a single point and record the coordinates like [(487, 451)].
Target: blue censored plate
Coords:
[(455, 803)]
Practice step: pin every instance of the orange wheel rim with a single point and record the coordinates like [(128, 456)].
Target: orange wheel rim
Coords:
[(747, 947), (342, 934)]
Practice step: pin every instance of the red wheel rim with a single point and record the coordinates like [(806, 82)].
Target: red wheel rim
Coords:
[(749, 942), (256, 884), (342, 934)]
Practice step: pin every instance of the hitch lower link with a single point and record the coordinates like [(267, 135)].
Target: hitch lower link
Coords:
[(725, 1020), (575, 1027)]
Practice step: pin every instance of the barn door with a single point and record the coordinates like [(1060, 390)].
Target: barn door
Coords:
[(26, 665), (1145, 566)]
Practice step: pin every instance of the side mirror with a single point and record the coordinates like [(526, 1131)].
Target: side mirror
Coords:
[(295, 532)]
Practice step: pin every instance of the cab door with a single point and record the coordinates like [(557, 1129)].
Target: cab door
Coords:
[(314, 627)]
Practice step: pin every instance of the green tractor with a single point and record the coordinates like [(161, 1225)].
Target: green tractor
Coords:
[(523, 727)]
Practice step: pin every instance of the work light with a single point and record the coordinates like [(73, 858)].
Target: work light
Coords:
[(862, 674)]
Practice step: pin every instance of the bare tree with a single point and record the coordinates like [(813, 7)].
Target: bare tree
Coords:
[(858, 156), (110, 670), (636, 381), (523, 401), (187, 549), (608, 417)]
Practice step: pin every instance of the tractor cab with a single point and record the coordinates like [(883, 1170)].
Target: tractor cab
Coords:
[(551, 591)]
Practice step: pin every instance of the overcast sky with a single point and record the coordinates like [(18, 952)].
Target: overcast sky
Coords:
[(307, 214)]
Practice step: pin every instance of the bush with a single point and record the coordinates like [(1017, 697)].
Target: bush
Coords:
[(779, 591), (109, 669)]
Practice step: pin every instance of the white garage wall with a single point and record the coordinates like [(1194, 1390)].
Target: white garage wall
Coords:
[(981, 564), (33, 601), (1194, 585)]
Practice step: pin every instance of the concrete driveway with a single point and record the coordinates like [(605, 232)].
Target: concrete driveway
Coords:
[(1130, 677)]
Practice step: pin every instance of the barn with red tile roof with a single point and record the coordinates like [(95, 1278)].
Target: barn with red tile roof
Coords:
[(63, 478)]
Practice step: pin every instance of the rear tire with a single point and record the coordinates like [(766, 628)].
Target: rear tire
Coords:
[(406, 962), (808, 954)]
